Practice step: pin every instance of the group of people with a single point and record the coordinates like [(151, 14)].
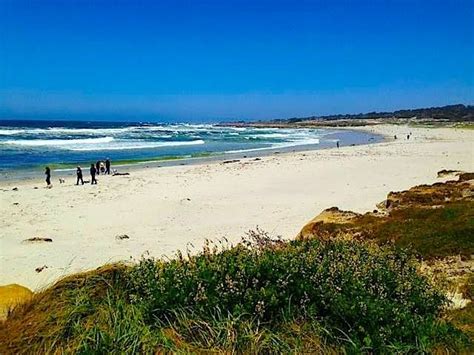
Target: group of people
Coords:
[(95, 169), (408, 136)]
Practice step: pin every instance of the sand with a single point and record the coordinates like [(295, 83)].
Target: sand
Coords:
[(169, 208)]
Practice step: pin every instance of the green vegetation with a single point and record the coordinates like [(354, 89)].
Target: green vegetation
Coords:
[(464, 318), (429, 232), (261, 296), (432, 220), (453, 113)]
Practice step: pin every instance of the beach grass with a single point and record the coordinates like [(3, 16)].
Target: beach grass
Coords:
[(430, 232), (263, 295)]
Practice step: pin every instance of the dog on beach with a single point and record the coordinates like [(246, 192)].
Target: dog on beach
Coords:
[(62, 181)]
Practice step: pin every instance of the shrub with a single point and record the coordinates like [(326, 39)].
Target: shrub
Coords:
[(368, 296), (261, 296)]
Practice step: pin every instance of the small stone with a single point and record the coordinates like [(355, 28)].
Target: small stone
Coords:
[(37, 240), (41, 268), (122, 236)]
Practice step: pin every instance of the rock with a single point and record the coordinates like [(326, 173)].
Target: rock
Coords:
[(330, 215), (444, 172), (230, 161), (41, 268), (37, 240), (15, 189), (466, 176), (12, 295), (122, 236)]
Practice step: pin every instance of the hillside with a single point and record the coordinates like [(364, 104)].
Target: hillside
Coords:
[(454, 113), (450, 114)]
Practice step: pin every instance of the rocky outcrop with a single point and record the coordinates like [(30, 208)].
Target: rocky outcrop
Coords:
[(331, 215), (12, 295), (415, 206)]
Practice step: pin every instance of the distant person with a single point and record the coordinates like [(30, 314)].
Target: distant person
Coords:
[(337, 144), (408, 136), (107, 166), (97, 167), (79, 176), (93, 172), (395, 137), (47, 172)]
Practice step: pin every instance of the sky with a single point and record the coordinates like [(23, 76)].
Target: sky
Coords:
[(229, 60)]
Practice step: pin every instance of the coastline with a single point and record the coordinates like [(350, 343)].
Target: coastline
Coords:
[(68, 169), (165, 209)]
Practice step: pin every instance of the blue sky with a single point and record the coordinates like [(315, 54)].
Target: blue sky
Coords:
[(216, 60)]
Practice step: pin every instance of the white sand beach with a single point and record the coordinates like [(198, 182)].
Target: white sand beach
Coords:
[(169, 208)]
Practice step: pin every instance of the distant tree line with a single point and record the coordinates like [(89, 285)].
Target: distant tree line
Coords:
[(453, 113)]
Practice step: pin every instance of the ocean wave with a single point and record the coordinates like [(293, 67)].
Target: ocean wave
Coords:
[(270, 135), (174, 128), (10, 132), (58, 142), (123, 145), (309, 141), (66, 131)]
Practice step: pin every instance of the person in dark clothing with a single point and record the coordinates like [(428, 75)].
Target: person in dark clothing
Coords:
[(79, 176), (97, 167), (93, 171), (107, 166), (47, 172), (337, 144)]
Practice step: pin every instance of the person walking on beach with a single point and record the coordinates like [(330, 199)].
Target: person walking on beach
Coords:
[(79, 176), (337, 144), (97, 167), (93, 171), (47, 172), (107, 166)]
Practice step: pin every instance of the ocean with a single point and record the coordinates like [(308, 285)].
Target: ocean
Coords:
[(26, 145)]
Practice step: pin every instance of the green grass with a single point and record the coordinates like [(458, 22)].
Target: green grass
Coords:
[(261, 296), (464, 318), (430, 232)]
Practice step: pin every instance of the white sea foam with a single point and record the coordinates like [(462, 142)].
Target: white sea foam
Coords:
[(10, 132), (58, 142), (124, 145), (73, 131), (66, 131), (270, 135)]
